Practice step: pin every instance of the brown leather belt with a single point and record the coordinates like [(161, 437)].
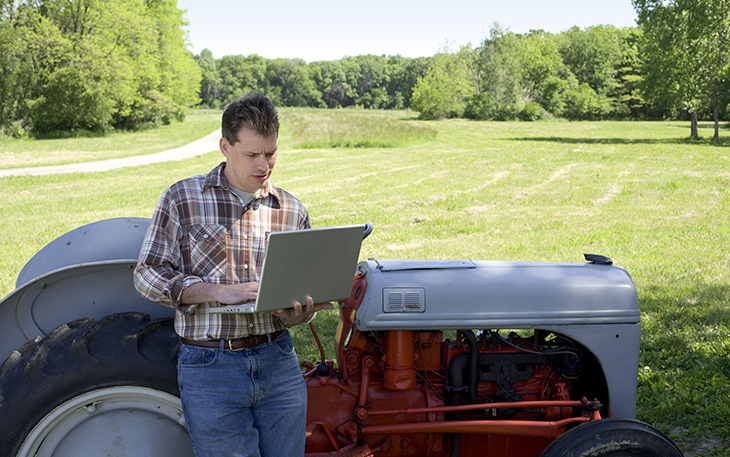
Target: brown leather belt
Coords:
[(235, 344)]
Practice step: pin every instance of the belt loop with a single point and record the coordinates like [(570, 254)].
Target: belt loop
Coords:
[(223, 345), (268, 337)]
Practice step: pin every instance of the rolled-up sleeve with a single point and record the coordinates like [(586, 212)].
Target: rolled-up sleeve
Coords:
[(157, 276)]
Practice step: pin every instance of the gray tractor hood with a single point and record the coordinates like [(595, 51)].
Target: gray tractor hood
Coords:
[(465, 294)]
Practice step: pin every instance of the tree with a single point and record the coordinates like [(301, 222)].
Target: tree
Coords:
[(17, 76), (443, 92), (179, 76), (289, 84), (630, 76), (372, 82), (540, 62), (686, 62), (498, 76), (594, 55), (331, 82), (240, 74), (210, 83), (403, 73)]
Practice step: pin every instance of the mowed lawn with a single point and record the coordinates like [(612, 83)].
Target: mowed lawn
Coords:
[(638, 192)]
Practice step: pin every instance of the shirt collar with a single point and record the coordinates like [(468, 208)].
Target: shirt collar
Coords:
[(216, 178)]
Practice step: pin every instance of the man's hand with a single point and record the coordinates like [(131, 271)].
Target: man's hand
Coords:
[(226, 294), (299, 314)]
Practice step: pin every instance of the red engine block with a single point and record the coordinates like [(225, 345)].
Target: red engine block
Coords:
[(413, 393)]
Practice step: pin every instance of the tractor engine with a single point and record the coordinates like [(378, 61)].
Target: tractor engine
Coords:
[(429, 392)]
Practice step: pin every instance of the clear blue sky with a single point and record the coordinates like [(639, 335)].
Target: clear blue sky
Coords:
[(331, 29)]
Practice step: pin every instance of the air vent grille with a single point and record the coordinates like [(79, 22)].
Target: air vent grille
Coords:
[(404, 300)]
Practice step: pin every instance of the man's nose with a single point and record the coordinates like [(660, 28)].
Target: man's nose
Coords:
[(261, 162)]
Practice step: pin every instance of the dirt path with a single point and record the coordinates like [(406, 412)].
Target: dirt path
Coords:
[(198, 147)]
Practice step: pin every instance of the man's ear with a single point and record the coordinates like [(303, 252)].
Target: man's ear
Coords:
[(224, 145)]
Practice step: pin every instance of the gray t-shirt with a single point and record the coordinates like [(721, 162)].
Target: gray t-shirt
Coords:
[(245, 197)]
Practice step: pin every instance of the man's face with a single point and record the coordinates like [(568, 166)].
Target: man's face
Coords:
[(250, 161)]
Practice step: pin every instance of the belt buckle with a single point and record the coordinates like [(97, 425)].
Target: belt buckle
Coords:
[(230, 346)]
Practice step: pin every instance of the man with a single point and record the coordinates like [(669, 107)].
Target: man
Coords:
[(241, 388)]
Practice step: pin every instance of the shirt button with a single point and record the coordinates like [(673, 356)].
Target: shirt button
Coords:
[(250, 325), (245, 237), (245, 266)]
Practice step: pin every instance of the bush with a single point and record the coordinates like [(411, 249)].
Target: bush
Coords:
[(71, 100), (532, 111), (583, 103), (481, 107), (14, 129)]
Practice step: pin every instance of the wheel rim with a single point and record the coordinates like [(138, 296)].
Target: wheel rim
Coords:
[(125, 421)]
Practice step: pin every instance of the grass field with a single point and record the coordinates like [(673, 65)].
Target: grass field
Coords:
[(640, 193)]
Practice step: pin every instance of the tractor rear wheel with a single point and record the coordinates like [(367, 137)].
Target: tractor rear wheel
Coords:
[(106, 387), (613, 437)]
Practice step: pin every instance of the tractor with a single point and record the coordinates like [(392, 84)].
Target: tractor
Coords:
[(433, 358)]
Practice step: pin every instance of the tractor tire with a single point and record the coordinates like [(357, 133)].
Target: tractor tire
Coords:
[(613, 437), (94, 388)]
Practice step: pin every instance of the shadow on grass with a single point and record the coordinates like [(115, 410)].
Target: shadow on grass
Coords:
[(685, 363), (722, 142)]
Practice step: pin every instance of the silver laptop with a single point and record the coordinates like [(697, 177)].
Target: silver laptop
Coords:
[(318, 262)]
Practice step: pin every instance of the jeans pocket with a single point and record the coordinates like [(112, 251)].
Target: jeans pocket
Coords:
[(192, 357), (284, 343)]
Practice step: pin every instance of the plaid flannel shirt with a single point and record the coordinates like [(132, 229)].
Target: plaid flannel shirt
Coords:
[(202, 232)]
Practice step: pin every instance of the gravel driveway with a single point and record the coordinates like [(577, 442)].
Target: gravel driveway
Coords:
[(198, 147)]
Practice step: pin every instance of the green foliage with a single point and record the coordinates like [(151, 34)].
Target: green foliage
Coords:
[(443, 91), (290, 84), (540, 62), (532, 111), (95, 64), (583, 102), (593, 55), (579, 74), (71, 99), (685, 54), (366, 81), (210, 79), (600, 72), (67, 65)]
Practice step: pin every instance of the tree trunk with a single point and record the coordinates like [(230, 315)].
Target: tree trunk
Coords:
[(694, 135), (716, 111)]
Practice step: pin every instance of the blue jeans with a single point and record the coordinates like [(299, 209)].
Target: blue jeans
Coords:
[(248, 403)]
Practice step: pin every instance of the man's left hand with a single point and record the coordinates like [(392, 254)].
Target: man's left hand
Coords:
[(298, 313)]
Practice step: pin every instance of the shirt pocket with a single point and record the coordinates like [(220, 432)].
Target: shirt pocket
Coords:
[(208, 250)]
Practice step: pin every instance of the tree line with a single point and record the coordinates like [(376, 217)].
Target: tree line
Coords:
[(591, 73), (101, 64), (673, 65)]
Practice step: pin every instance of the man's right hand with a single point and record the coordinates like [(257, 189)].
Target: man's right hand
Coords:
[(226, 294)]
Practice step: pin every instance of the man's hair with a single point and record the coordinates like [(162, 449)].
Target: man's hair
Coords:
[(254, 111)]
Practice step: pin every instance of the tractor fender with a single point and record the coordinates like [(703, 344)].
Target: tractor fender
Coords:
[(86, 272)]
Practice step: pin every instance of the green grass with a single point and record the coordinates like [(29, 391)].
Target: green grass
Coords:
[(307, 128), (640, 193)]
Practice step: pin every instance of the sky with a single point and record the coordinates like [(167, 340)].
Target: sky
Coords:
[(330, 29)]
